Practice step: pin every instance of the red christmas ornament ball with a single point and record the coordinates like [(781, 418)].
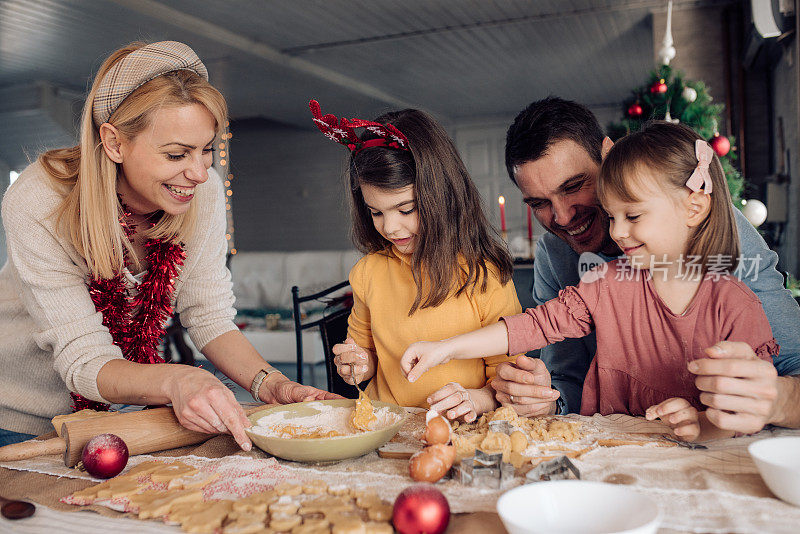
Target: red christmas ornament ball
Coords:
[(421, 509), (658, 87), (635, 110), (720, 144), (105, 456)]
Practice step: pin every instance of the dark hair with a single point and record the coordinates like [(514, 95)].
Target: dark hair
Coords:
[(667, 150), (454, 242), (547, 121)]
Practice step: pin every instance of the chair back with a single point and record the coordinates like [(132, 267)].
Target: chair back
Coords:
[(333, 329)]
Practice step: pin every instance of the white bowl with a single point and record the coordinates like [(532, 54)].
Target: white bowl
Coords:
[(577, 506), (778, 461)]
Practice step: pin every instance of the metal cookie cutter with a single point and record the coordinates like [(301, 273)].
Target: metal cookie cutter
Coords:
[(502, 427), (482, 469), (555, 469), (684, 444)]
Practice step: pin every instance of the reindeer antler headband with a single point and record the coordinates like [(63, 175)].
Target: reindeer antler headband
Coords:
[(343, 131)]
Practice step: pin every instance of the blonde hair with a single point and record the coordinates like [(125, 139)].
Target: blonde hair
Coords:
[(667, 150), (90, 213)]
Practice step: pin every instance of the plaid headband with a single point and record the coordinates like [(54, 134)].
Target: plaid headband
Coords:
[(138, 68)]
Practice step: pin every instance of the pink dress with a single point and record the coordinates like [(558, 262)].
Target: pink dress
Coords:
[(642, 347)]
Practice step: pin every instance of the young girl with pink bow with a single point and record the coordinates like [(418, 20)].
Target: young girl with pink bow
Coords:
[(655, 310)]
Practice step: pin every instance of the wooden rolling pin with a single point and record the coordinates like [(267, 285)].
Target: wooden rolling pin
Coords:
[(143, 432)]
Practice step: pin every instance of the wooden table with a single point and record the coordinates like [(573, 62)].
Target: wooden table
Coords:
[(717, 489)]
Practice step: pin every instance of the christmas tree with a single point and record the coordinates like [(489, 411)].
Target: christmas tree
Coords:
[(668, 96)]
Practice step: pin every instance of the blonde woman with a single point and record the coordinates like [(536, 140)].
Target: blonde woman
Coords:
[(104, 238)]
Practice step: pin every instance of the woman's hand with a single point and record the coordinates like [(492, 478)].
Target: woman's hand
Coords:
[(279, 389), (353, 363), (454, 401), (682, 417), (204, 404), (525, 386), (421, 356)]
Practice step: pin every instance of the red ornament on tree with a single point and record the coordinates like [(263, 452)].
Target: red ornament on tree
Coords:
[(105, 456), (635, 110), (720, 144), (421, 509), (659, 87)]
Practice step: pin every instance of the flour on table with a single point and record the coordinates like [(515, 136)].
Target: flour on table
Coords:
[(328, 421)]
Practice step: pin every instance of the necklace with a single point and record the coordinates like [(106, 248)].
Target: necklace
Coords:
[(136, 323)]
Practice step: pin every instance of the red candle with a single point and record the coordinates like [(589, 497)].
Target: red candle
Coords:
[(530, 224), (502, 202)]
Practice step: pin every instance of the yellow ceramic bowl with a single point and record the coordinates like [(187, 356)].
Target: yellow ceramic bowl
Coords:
[(323, 449)]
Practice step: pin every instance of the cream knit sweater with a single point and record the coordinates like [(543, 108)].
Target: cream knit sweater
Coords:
[(52, 340)]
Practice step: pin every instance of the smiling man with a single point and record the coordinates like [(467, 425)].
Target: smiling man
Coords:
[(554, 150)]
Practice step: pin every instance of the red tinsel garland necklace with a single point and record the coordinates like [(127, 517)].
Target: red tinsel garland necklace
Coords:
[(137, 323)]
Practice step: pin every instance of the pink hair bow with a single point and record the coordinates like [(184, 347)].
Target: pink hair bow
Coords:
[(701, 175)]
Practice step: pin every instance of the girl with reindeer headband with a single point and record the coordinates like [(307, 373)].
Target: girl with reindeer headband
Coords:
[(432, 267), (656, 310)]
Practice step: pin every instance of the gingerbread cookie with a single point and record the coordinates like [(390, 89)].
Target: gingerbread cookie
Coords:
[(257, 502), (157, 503), (315, 487), (208, 519), (340, 490), (284, 506), (281, 522), (378, 528), (289, 489), (122, 486), (167, 472), (350, 526), (195, 481), (144, 468), (326, 505), (380, 512)]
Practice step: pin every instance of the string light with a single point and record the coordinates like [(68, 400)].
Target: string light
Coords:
[(223, 162)]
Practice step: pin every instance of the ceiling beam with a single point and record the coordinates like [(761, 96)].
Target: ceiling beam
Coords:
[(645, 5), (174, 17)]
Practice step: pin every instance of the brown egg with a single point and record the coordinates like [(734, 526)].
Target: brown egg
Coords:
[(427, 466), (446, 452), (437, 431)]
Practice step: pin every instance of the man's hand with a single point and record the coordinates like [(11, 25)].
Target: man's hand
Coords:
[(740, 390), (525, 385)]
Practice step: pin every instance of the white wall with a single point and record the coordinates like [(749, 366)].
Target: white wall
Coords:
[(288, 189)]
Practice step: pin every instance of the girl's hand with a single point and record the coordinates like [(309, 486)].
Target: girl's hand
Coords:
[(421, 356), (353, 360), (454, 402), (281, 390), (681, 416), (204, 404)]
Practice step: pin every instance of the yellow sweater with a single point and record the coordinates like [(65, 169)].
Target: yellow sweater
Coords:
[(383, 292)]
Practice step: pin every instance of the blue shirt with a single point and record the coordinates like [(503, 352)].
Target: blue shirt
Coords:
[(556, 267)]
